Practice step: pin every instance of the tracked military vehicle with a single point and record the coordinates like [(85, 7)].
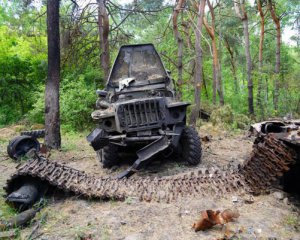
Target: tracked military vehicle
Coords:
[(138, 111)]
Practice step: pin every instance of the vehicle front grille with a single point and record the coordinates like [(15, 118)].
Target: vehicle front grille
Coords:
[(140, 114)]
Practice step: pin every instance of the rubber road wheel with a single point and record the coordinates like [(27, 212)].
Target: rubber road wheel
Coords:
[(108, 155), (20, 145), (191, 146)]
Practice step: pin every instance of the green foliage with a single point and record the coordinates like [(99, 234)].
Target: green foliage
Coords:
[(225, 116), (23, 59), (6, 211), (242, 121), (222, 115), (36, 114), (292, 220), (77, 103), (22, 70), (77, 100)]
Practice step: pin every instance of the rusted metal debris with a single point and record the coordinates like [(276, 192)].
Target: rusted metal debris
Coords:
[(288, 131), (270, 158), (210, 218)]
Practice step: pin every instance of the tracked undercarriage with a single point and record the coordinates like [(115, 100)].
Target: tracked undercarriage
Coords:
[(270, 158)]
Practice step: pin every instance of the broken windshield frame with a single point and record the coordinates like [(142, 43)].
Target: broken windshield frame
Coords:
[(139, 62)]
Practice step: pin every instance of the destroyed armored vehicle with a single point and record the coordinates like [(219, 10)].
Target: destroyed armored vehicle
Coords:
[(138, 112)]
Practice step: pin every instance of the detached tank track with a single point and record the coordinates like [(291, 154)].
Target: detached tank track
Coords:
[(34, 133), (270, 158)]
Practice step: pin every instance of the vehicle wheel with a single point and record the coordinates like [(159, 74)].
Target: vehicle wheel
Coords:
[(191, 146), (108, 155), (20, 145)]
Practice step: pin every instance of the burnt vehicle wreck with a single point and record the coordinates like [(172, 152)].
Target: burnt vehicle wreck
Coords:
[(289, 132), (138, 111)]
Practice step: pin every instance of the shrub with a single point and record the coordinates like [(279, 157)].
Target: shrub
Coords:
[(241, 121), (77, 103), (222, 116), (77, 100)]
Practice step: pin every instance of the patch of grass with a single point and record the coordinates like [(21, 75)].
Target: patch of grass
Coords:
[(4, 141), (20, 128), (178, 166), (73, 141), (6, 211), (66, 147), (292, 220), (81, 233), (105, 234), (113, 202)]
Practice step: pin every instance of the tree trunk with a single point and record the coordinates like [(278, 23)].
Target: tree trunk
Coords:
[(243, 16), (103, 25), (198, 71), (249, 66), (220, 54), (204, 84), (233, 66), (267, 95), (178, 8), (216, 67), (278, 45), (260, 58), (52, 118), (186, 29), (215, 74), (220, 64)]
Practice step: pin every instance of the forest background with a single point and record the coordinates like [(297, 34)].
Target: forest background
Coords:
[(173, 27)]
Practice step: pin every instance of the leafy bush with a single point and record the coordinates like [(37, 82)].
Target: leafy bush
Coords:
[(222, 115), (241, 121), (77, 100), (36, 114), (225, 116), (77, 103)]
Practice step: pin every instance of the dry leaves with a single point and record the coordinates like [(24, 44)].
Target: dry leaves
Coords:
[(209, 218)]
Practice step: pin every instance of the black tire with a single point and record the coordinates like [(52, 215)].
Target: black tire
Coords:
[(20, 145), (108, 155), (190, 142), (34, 133)]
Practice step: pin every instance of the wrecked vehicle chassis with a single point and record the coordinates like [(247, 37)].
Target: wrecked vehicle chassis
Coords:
[(138, 112)]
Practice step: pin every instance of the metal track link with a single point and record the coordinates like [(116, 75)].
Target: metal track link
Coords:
[(270, 158)]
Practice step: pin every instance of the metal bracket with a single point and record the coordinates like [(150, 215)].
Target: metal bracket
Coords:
[(145, 154)]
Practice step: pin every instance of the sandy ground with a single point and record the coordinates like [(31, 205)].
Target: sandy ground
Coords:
[(269, 217)]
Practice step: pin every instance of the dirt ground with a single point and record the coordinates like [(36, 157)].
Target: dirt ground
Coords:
[(272, 216)]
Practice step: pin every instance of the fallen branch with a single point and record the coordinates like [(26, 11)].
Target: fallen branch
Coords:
[(5, 159), (34, 233), (20, 220), (8, 234)]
